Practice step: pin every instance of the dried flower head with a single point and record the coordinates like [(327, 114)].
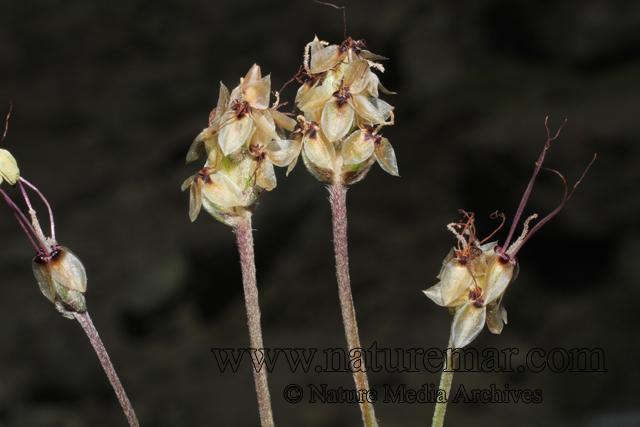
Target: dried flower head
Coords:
[(339, 99), (244, 140), (474, 276)]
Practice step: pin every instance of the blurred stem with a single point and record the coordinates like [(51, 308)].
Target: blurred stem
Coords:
[(445, 384), (244, 234), (96, 342), (338, 194)]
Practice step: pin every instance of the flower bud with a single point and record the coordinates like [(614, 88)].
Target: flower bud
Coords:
[(8, 167), (62, 279)]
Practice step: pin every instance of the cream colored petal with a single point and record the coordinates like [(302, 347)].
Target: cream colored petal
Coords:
[(456, 280), (357, 148), (8, 167), (445, 262), (283, 120), (257, 94), (223, 100), (265, 176), (356, 76), (371, 56), (316, 46), (68, 270), (43, 276), (494, 319), (497, 278), (253, 75), (222, 191), (467, 324), (195, 199), (282, 153), (434, 294), (337, 119), (326, 58), (372, 84), (319, 151), (503, 313), (320, 94), (386, 157), (233, 132), (382, 106), (263, 124), (292, 164), (366, 109)]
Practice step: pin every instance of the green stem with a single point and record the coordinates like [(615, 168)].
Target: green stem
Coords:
[(338, 194), (445, 384), (244, 234)]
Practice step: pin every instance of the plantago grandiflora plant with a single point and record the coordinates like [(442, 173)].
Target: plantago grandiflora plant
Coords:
[(339, 136), (474, 276), (243, 142), (59, 272)]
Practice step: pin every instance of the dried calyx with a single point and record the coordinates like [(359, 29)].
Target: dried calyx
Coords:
[(340, 130), (475, 276)]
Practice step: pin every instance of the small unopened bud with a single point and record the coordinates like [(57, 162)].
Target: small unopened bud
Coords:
[(62, 279), (8, 167)]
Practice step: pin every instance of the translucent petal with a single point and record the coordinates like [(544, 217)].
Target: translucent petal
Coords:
[(455, 281), (282, 153), (8, 167), (263, 124), (187, 182), (498, 277), (222, 191), (257, 94), (233, 132), (283, 120), (382, 106), (326, 58), (292, 165), (253, 75), (371, 56), (214, 153), (43, 277), (320, 94), (434, 294), (356, 76), (304, 89), (503, 313), (315, 46), (357, 148), (386, 157), (366, 109), (494, 319), (195, 199), (67, 269), (467, 324), (445, 262), (265, 176), (319, 151), (372, 84), (337, 119), (223, 100)]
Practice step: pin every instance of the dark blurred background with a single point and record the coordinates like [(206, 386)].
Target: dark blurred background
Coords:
[(107, 97)]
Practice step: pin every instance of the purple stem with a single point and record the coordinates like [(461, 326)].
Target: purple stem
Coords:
[(22, 220), (96, 342), (338, 196), (33, 187), (244, 235)]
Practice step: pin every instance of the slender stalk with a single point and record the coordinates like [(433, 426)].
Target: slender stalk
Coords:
[(338, 194), (445, 384), (96, 342), (244, 234)]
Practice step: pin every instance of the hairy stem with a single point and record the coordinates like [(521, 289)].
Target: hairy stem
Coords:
[(445, 384), (96, 342), (244, 234), (338, 194)]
